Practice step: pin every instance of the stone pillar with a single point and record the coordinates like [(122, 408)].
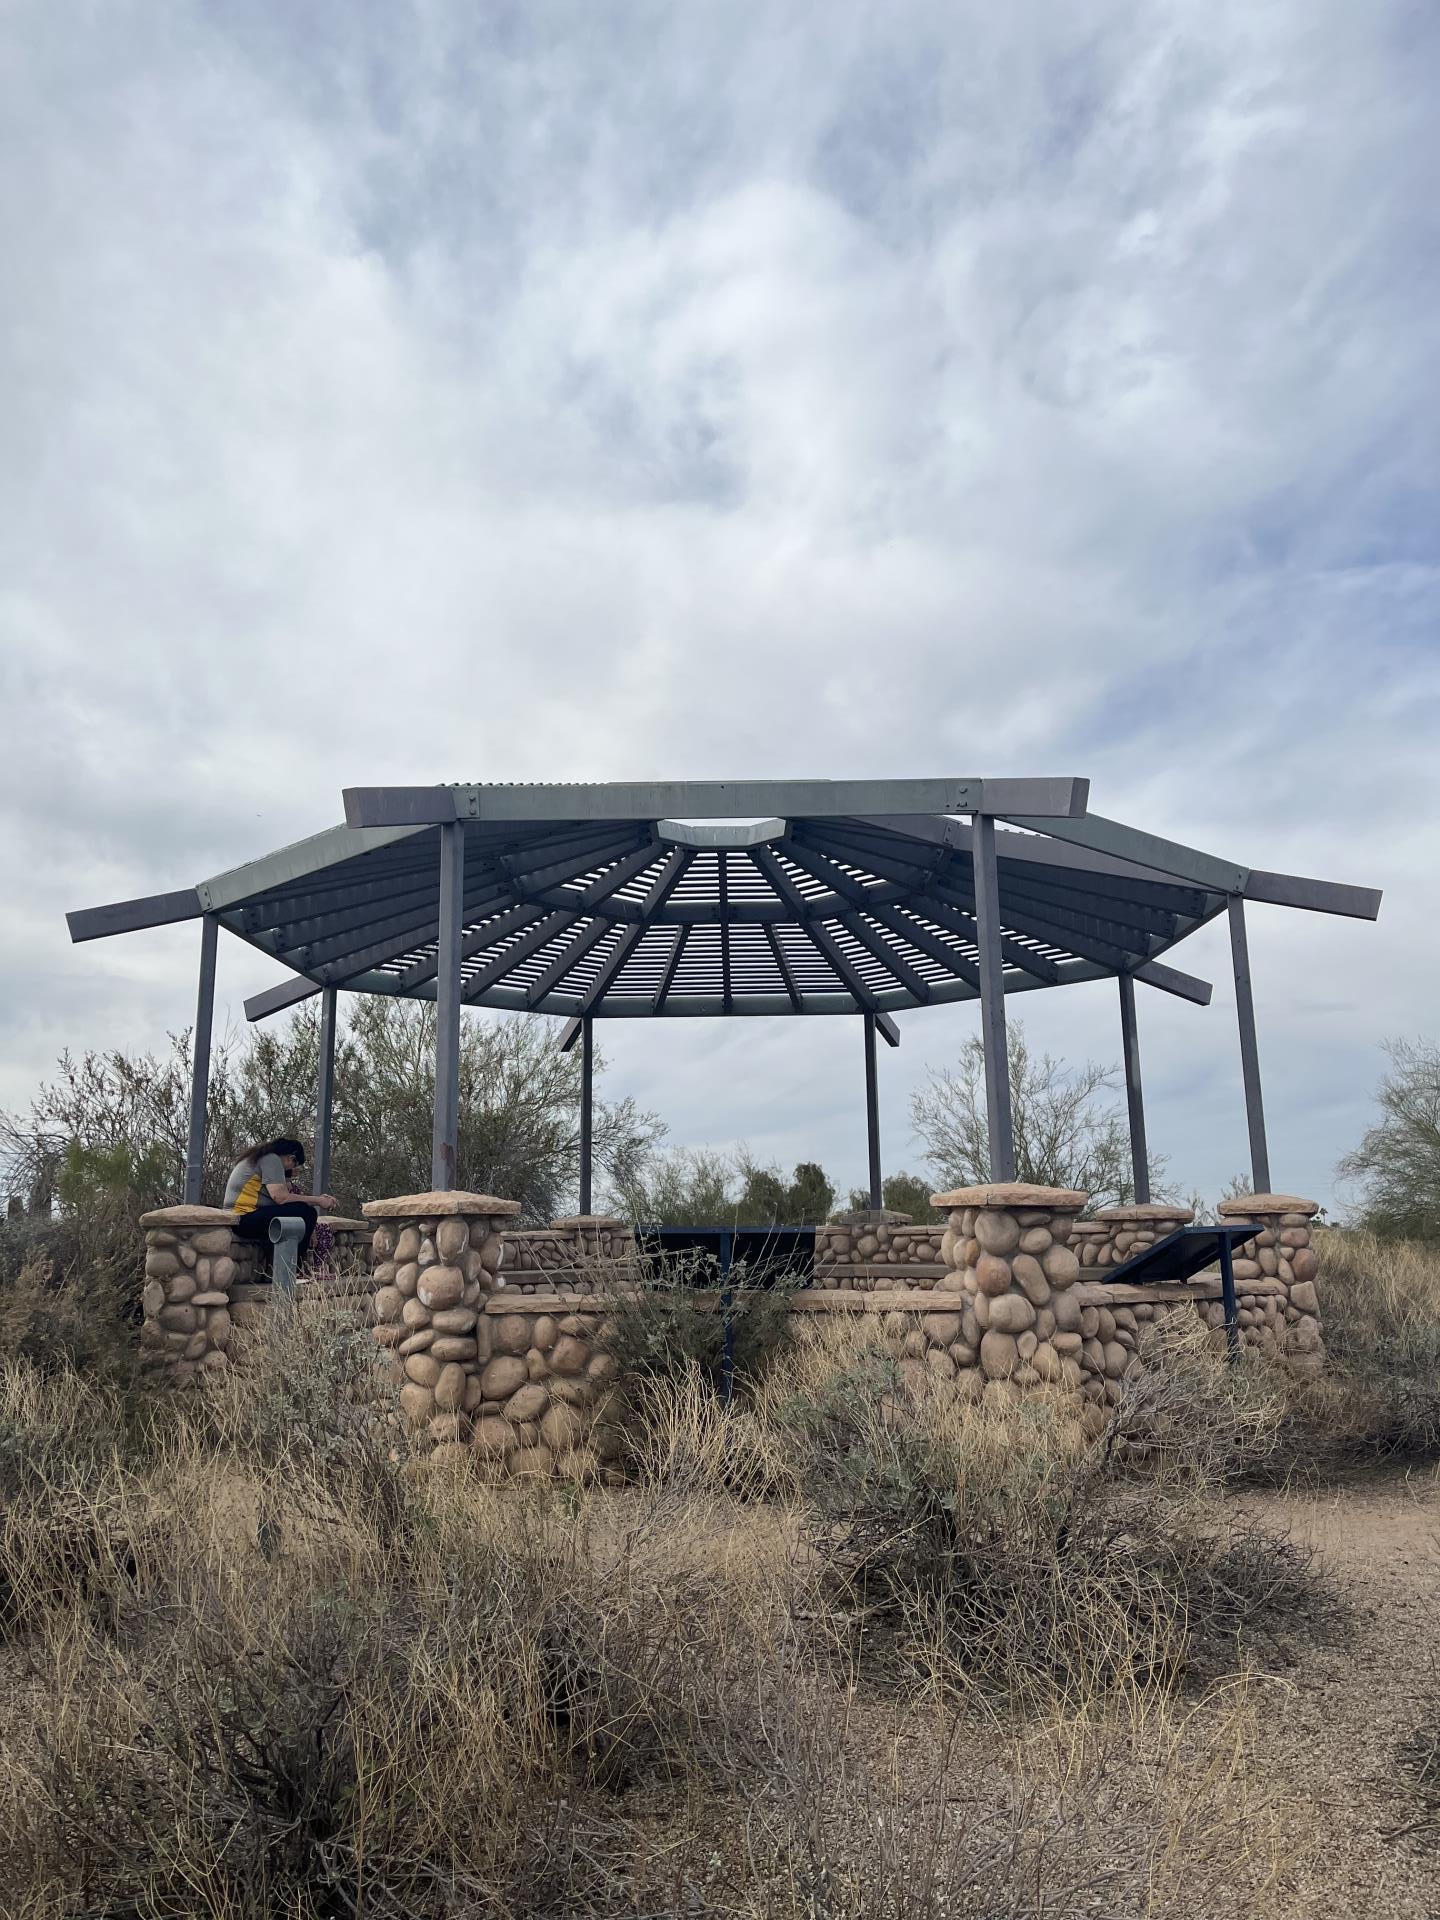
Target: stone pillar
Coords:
[(193, 1262), (437, 1259), (1132, 1230), (1009, 1263), (1282, 1252)]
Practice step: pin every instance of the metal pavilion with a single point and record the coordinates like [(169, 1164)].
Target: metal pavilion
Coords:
[(725, 898)]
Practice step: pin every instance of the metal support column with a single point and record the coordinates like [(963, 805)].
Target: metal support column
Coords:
[(445, 1138), (200, 1064), (872, 1114), (727, 1311), (1134, 1095), (325, 1091), (1231, 1304), (999, 1123), (1249, 1052), (587, 1109)]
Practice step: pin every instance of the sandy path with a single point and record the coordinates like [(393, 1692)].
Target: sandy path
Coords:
[(1334, 1745)]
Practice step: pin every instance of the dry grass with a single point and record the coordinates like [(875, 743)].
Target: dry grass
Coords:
[(844, 1650), (1379, 1397)]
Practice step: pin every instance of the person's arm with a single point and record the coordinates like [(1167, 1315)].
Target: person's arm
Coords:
[(281, 1191)]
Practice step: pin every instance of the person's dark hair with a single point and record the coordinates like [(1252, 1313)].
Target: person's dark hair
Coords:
[(285, 1144)]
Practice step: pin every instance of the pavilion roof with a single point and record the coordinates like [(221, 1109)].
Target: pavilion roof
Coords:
[(626, 900)]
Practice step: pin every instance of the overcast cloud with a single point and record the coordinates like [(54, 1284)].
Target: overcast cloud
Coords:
[(502, 392)]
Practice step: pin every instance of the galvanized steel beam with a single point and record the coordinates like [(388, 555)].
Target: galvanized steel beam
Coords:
[(1134, 1093), (1249, 1050), (325, 1091), (711, 800), (872, 1113), (131, 916), (993, 1039), (1100, 835), (445, 1136), (1314, 896), (289, 993), (200, 1062)]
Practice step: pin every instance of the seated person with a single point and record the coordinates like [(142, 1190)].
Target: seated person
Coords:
[(259, 1191)]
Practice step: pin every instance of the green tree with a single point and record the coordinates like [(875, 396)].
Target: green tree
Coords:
[(698, 1187), (1397, 1163), (519, 1110), (688, 1187), (899, 1193), (1067, 1132)]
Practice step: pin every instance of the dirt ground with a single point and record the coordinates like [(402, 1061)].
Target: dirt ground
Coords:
[(1367, 1833)]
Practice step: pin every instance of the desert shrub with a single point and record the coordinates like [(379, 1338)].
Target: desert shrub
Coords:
[(69, 1321), (304, 1402), (665, 1329), (993, 1547)]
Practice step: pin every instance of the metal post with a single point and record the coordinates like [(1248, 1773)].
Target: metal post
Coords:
[(872, 1114), (587, 1108), (325, 1090), (1249, 1052), (200, 1065), (285, 1238), (727, 1352), (445, 1138), (992, 1001), (1227, 1295), (1134, 1095)]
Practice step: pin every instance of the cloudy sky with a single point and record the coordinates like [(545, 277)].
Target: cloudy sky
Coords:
[(430, 391)]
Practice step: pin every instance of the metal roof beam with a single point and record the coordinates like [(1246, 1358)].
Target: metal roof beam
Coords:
[(131, 916), (619, 875), (532, 880), (894, 963), (1027, 883), (861, 992), (783, 964), (529, 943), (672, 967), (296, 862), (685, 800), (1185, 986), (964, 924), (610, 970), (478, 940), (1315, 896), (565, 962), (388, 939), (928, 943), (288, 993), (1100, 835), (1109, 943), (348, 907), (1039, 847)]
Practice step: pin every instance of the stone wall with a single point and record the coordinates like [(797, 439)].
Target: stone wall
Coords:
[(548, 1400), (573, 1255), (437, 1260), (1118, 1234), (202, 1282), (863, 1251)]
